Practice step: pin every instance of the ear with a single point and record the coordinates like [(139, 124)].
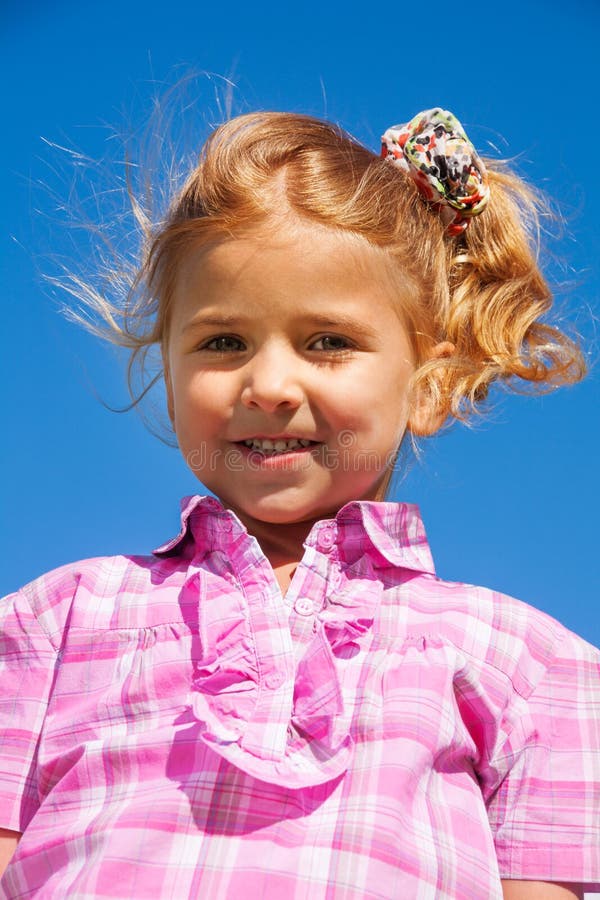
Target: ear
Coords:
[(426, 417), (169, 388)]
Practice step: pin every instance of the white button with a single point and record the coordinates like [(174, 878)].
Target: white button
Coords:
[(325, 539), (274, 680), (304, 606)]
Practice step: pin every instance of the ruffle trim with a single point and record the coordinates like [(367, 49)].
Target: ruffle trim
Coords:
[(281, 726)]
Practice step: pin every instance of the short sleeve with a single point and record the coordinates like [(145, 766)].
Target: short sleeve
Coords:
[(27, 665), (543, 790)]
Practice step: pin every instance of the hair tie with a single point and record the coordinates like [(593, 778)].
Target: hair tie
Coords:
[(437, 154)]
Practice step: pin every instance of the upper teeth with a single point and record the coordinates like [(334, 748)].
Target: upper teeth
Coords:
[(278, 446)]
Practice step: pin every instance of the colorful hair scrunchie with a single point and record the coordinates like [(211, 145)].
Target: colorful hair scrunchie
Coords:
[(437, 154)]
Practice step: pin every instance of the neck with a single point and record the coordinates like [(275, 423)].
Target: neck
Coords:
[(281, 542)]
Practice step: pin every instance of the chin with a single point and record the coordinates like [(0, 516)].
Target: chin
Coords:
[(274, 515), (282, 512)]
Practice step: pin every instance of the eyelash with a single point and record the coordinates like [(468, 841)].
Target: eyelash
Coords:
[(348, 345), (221, 337), (335, 337)]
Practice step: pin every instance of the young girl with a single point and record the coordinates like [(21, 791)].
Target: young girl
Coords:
[(283, 700)]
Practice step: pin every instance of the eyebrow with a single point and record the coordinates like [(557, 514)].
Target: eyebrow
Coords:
[(324, 321), (219, 321)]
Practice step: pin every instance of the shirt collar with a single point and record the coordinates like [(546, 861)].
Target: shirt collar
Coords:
[(394, 530)]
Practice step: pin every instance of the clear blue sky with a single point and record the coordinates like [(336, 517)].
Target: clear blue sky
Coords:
[(511, 504)]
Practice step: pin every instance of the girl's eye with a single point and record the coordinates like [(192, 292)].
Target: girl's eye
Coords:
[(225, 343), (331, 342)]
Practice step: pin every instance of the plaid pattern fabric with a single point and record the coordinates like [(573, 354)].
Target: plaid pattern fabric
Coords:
[(171, 727)]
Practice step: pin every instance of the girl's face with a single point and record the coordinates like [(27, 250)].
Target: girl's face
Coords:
[(287, 371)]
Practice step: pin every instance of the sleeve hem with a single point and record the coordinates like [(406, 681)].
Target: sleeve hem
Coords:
[(18, 814), (572, 865)]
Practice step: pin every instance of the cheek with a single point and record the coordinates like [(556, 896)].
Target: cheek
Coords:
[(198, 404), (202, 390), (381, 398)]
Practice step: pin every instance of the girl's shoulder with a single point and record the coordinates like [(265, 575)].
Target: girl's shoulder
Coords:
[(503, 633), (104, 592)]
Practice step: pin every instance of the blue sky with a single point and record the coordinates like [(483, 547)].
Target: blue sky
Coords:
[(511, 503)]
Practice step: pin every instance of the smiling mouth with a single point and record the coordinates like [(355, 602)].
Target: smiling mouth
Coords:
[(270, 447)]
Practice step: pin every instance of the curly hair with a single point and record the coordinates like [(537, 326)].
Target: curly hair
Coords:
[(482, 291)]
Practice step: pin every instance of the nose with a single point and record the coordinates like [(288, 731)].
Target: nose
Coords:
[(272, 380)]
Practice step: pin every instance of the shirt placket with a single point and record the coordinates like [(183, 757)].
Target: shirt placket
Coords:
[(266, 732), (319, 576)]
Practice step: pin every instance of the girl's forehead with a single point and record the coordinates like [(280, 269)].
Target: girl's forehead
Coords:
[(302, 262)]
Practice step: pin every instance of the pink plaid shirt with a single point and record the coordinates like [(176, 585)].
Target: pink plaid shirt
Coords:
[(171, 727)]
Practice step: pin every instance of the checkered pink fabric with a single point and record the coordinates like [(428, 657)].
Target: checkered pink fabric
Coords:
[(170, 727)]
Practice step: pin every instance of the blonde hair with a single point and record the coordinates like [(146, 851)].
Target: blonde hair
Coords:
[(482, 291)]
